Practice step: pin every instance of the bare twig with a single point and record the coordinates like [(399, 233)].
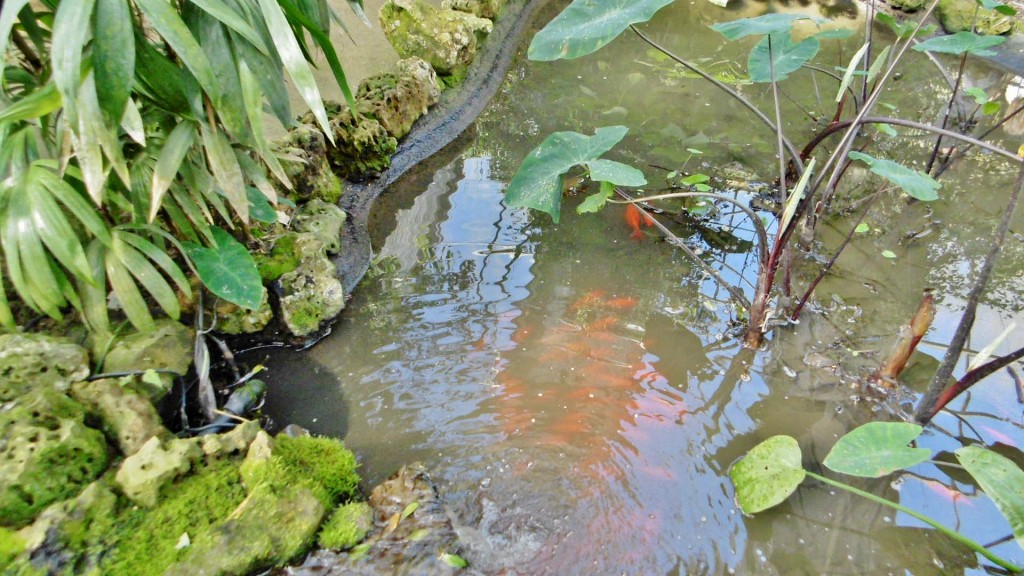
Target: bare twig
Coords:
[(928, 406)]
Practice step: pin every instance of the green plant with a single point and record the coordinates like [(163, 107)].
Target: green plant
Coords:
[(771, 471), (585, 26), (130, 126)]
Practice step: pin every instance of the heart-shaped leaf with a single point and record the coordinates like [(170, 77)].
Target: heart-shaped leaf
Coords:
[(787, 56), (615, 173), (876, 449), (586, 26), (913, 182), (768, 474), (767, 24), (538, 182), (961, 42), (228, 270), (1002, 480)]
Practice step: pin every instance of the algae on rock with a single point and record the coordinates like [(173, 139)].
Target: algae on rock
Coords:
[(322, 220), (483, 8), (29, 361), (362, 146), (143, 474), (398, 99), (167, 346), (347, 526), (233, 319), (128, 418), (446, 39), (47, 453), (309, 171), (958, 16), (312, 293)]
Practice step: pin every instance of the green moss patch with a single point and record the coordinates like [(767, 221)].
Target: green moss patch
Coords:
[(281, 260), (347, 526), (10, 546)]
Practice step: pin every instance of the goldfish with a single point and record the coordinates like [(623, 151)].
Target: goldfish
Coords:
[(634, 217)]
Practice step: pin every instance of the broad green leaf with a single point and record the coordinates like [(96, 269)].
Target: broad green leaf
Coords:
[(788, 56), (165, 20), (171, 156), (914, 182), (850, 69), (876, 449), (228, 270), (113, 57), (960, 43), (226, 169), (70, 33), (39, 103), (596, 201), (695, 179), (223, 12), (767, 24), (834, 34), (1002, 480), (8, 16), (862, 228), (888, 254), (615, 173), (998, 7), (294, 61), (768, 474), (538, 182), (586, 25)]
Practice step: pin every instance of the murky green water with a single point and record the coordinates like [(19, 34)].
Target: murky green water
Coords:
[(576, 392)]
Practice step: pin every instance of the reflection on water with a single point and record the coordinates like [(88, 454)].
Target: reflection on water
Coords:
[(574, 390)]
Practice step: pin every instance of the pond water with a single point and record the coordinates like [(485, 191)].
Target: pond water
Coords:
[(576, 390)]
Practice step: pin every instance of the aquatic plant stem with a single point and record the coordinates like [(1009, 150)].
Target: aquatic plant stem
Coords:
[(962, 151), (934, 524), (794, 155), (927, 408), (949, 108)]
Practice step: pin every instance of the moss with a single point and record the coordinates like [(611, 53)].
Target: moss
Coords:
[(10, 546), (144, 541), (281, 260), (347, 526), (907, 5), (454, 78), (958, 15), (321, 464)]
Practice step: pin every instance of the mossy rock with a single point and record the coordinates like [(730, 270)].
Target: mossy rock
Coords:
[(128, 418), (347, 526), (47, 454), (908, 5), (362, 147), (29, 361), (282, 258), (482, 8), (143, 474), (167, 346), (957, 16), (446, 39), (398, 99), (311, 294), (11, 545), (322, 220), (311, 175), (233, 319)]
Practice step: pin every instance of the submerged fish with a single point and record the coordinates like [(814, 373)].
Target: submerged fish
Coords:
[(635, 217)]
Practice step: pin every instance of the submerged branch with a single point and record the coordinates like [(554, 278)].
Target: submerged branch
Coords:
[(928, 406)]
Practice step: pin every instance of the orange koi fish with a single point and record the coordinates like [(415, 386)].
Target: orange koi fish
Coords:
[(634, 217)]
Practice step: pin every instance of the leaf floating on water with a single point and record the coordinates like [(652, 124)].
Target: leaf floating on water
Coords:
[(914, 182), (1001, 480), (768, 474), (888, 254), (862, 228), (876, 449)]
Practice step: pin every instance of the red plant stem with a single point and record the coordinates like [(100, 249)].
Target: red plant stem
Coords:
[(970, 379)]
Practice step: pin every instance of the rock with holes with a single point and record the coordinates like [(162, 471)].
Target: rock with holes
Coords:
[(446, 39), (965, 15), (310, 294), (29, 361), (233, 319), (168, 346), (322, 220), (143, 474), (127, 416), (307, 167), (235, 442), (362, 147), (398, 99), (483, 8), (47, 454)]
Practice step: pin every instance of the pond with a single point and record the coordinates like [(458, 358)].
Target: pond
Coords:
[(578, 391)]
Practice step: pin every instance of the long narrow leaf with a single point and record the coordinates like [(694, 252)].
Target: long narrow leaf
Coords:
[(70, 33), (53, 229), (171, 155), (6, 317), (92, 126), (226, 170), (40, 280), (113, 56), (8, 16), (78, 206), (268, 72), (294, 62), (166, 21), (324, 41), (94, 296), (233, 20), (254, 109), (39, 103), (132, 302), (230, 108), (146, 275), (161, 259), (132, 123), (794, 199), (851, 68)]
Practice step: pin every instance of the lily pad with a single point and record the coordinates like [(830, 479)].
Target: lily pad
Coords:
[(876, 449), (768, 474), (1002, 480)]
